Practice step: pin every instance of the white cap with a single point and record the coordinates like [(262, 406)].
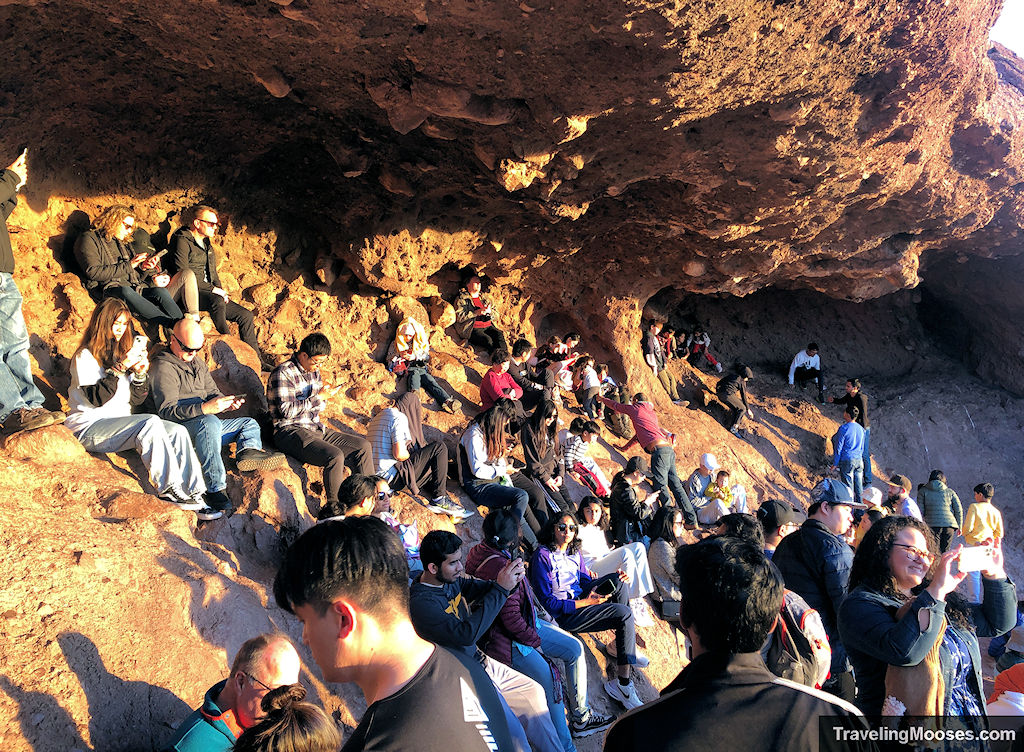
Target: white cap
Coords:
[(871, 496), (708, 460)]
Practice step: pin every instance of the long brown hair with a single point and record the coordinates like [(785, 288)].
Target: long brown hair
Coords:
[(99, 338), (107, 222)]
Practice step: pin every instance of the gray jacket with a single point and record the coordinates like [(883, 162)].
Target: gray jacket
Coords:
[(180, 388)]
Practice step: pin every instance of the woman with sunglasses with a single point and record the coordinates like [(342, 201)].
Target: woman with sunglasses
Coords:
[(902, 611), (110, 376), (582, 602)]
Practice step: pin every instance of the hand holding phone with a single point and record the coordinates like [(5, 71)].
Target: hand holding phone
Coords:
[(975, 559)]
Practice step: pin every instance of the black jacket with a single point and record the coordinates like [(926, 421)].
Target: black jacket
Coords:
[(815, 562), (186, 253), (732, 702), (858, 400), (107, 262), (542, 457), (8, 200), (732, 385), (628, 512)]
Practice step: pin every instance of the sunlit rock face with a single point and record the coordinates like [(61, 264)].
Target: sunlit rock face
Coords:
[(585, 155)]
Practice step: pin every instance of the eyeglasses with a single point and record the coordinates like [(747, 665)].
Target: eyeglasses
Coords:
[(562, 527), (916, 553), (185, 347), (254, 679), (210, 222), (385, 494)]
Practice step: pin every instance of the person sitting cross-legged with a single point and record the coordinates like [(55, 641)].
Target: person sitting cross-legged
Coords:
[(405, 459), (110, 376), (184, 392), (295, 394)]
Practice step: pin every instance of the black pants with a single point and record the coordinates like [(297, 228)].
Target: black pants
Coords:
[(328, 449), (539, 509), (222, 312), (428, 466), (737, 410), (149, 305), (490, 339), (614, 613), (944, 535), (842, 686), (802, 375)]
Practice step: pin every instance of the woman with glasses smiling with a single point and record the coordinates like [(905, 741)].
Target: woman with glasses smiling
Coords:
[(580, 601), (913, 641)]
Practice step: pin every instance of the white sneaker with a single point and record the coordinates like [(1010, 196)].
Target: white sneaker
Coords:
[(641, 613), (625, 696)]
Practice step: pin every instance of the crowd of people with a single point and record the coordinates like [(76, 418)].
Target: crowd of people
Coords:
[(480, 648)]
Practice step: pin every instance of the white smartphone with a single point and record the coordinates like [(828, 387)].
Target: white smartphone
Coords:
[(974, 559)]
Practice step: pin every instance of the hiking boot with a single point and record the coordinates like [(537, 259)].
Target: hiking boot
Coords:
[(451, 406), (249, 460), (206, 514), (218, 500), (624, 695), (182, 500), (27, 419), (593, 723), (59, 416)]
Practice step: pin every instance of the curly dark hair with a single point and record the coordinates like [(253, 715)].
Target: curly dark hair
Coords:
[(546, 536), (871, 562)]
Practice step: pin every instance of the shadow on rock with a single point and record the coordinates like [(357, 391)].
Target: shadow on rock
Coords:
[(44, 723)]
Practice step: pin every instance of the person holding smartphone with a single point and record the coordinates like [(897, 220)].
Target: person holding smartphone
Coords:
[(109, 377), (908, 633), (582, 602)]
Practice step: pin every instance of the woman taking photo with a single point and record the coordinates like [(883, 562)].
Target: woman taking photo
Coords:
[(602, 559), (902, 611), (579, 601), (110, 376)]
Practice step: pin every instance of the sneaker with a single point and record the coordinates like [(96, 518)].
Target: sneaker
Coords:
[(258, 459), (444, 505), (593, 723), (718, 367), (451, 406), (218, 500), (182, 500), (206, 514), (642, 661), (27, 419), (641, 613), (625, 696), (58, 416)]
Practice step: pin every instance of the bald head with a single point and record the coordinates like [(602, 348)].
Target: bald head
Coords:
[(187, 339), (263, 663)]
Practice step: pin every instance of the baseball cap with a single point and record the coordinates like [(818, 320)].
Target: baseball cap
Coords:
[(636, 464), (872, 497), (834, 492), (708, 460), (141, 242), (902, 481), (774, 514)]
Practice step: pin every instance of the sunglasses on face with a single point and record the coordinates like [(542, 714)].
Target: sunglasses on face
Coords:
[(385, 494), (562, 527), (185, 347)]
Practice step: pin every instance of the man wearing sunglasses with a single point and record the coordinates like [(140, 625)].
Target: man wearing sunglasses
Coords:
[(192, 248), (184, 392), (233, 705)]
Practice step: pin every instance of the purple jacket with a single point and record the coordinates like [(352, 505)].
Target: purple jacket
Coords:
[(517, 617), (557, 597)]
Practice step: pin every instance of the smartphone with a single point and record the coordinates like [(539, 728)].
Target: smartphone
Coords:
[(140, 341), (974, 559), (607, 587), (157, 255)]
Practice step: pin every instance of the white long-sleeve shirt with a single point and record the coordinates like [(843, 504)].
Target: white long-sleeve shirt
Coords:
[(476, 453), (802, 359)]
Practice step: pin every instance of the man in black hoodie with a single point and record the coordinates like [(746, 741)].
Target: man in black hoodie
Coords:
[(21, 402), (192, 248)]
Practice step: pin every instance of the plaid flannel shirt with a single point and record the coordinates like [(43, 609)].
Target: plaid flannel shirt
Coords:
[(294, 397)]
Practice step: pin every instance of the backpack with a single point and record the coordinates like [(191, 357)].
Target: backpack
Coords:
[(797, 648)]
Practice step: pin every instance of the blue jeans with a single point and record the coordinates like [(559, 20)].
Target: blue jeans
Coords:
[(866, 458), (209, 433), (557, 643), (153, 304), (665, 479), (533, 665), (497, 496), (417, 376), (17, 389), (851, 473)]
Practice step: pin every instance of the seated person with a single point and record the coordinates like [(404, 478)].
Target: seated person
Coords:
[(405, 459), (630, 511), (698, 349), (410, 352), (484, 470), (184, 392), (192, 248), (806, 366), (574, 597), (579, 438), (474, 317), (701, 479), (182, 286), (543, 475), (455, 612), (109, 377), (666, 535), (113, 270), (602, 559), (498, 383), (261, 665), (537, 384), (290, 724), (296, 394), (722, 499)]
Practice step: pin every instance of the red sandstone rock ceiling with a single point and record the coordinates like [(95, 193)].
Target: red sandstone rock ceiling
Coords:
[(578, 146)]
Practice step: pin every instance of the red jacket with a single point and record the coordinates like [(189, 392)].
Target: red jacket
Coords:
[(517, 617)]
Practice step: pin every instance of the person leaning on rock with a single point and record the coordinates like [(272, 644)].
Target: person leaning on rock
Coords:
[(654, 356), (192, 248), (262, 664), (185, 393), (474, 317), (21, 402), (295, 393), (113, 269), (732, 391)]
